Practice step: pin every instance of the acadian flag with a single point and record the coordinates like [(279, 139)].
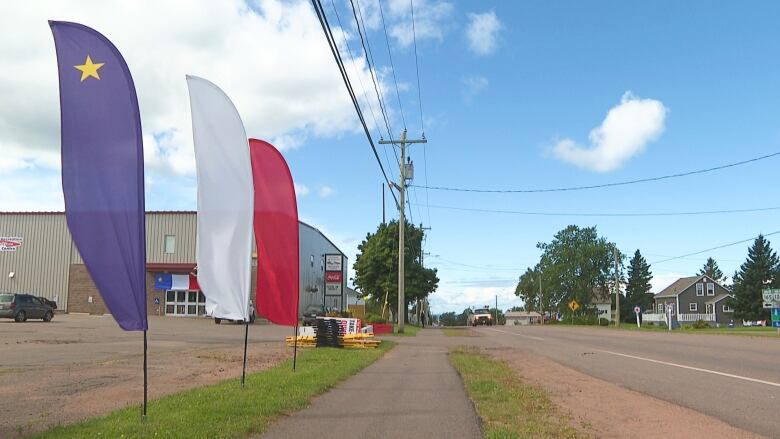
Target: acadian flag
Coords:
[(175, 282), (223, 244), (103, 168), (276, 233)]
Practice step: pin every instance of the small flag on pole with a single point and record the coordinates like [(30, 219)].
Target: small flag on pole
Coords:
[(103, 168)]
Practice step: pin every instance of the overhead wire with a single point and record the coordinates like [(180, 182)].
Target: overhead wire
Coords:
[(392, 67), (712, 248), (609, 214), (606, 185), (360, 80), (422, 121), (323, 19)]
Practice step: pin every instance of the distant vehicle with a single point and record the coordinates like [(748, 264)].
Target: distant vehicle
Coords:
[(21, 307), (481, 316), (311, 314), (252, 316)]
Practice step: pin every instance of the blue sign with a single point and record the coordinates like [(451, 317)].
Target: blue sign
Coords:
[(776, 311), (776, 324)]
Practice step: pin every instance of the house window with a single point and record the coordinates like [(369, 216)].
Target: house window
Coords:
[(169, 244), (727, 308), (710, 308), (700, 289), (710, 289), (660, 308), (693, 307)]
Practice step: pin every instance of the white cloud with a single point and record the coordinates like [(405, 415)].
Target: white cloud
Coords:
[(429, 20), (624, 133), (663, 280), (453, 297), (272, 60), (326, 191), (301, 189), (472, 86), (482, 32)]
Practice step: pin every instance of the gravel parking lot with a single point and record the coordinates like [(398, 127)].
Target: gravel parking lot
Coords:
[(80, 366)]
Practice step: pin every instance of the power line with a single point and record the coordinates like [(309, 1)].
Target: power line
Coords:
[(608, 214), (340, 63), (422, 122), (360, 80), (605, 185), (711, 249), (392, 67)]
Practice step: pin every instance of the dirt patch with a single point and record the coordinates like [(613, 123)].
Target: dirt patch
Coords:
[(62, 394), (611, 411)]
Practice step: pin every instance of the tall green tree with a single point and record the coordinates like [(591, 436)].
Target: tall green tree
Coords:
[(712, 270), (577, 264), (638, 284), (376, 266), (759, 271)]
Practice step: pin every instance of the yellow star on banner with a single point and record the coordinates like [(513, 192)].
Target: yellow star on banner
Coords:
[(89, 69)]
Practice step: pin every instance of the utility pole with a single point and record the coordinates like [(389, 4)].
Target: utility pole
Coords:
[(496, 321), (617, 288), (401, 186), (541, 307)]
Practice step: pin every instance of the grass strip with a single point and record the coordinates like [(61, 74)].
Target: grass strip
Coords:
[(225, 410), (508, 407), (409, 331), (755, 331)]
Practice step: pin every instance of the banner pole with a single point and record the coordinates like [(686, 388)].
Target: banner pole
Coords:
[(295, 343), (146, 381), (246, 338)]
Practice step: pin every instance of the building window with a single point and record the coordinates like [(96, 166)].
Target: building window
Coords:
[(700, 289), (710, 308), (185, 303), (660, 308), (693, 307), (169, 246), (710, 289), (727, 308)]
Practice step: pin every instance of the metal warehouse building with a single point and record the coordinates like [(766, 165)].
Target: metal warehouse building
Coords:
[(38, 256)]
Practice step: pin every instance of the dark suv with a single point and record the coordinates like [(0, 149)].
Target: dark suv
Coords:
[(21, 307)]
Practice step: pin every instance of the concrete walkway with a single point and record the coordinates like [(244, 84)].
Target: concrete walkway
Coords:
[(412, 392)]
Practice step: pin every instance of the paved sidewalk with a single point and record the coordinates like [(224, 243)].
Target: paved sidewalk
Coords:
[(412, 392)]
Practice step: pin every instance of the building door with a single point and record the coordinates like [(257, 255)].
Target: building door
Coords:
[(185, 303)]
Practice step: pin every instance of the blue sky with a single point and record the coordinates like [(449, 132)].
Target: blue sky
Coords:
[(502, 83)]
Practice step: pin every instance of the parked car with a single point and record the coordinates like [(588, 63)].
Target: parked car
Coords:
[(21, 307), (481, 316), (311, 314), (252, 316), (49, 302)]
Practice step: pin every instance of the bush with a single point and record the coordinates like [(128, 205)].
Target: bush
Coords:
[(603, 322), (700, 324), (373, 318)]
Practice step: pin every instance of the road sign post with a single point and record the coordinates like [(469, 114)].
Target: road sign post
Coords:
[(637, 310)]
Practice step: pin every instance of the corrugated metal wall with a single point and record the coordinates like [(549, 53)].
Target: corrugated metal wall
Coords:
[(41, 264), (182, 225)]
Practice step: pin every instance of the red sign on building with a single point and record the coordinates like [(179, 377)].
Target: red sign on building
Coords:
[(333, 277)]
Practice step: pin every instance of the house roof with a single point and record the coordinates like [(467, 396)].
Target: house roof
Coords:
[(718, 298), (678, 286), (520, 314)]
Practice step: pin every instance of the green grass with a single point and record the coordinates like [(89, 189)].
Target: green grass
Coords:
[(740, 330), (409, 330), (508, 407), (225, 410)]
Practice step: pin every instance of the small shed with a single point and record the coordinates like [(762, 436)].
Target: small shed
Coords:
[(522, 318)]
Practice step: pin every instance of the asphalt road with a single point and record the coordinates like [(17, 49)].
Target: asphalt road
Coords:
[(412, 392), (733, 378)]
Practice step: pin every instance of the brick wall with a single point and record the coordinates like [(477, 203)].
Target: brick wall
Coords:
[(81, 288)]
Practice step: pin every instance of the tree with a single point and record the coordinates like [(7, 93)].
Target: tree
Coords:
[(638, 284), (576, 264), (711, 269), (376, 266), (759, 271)]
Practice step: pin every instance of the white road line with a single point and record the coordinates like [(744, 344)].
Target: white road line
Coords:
[(698, 369), (519, 335)]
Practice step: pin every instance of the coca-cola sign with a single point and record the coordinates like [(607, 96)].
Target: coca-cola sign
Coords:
[(10, 244)]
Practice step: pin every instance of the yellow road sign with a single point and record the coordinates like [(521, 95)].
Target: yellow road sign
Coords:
[(573, 305)]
